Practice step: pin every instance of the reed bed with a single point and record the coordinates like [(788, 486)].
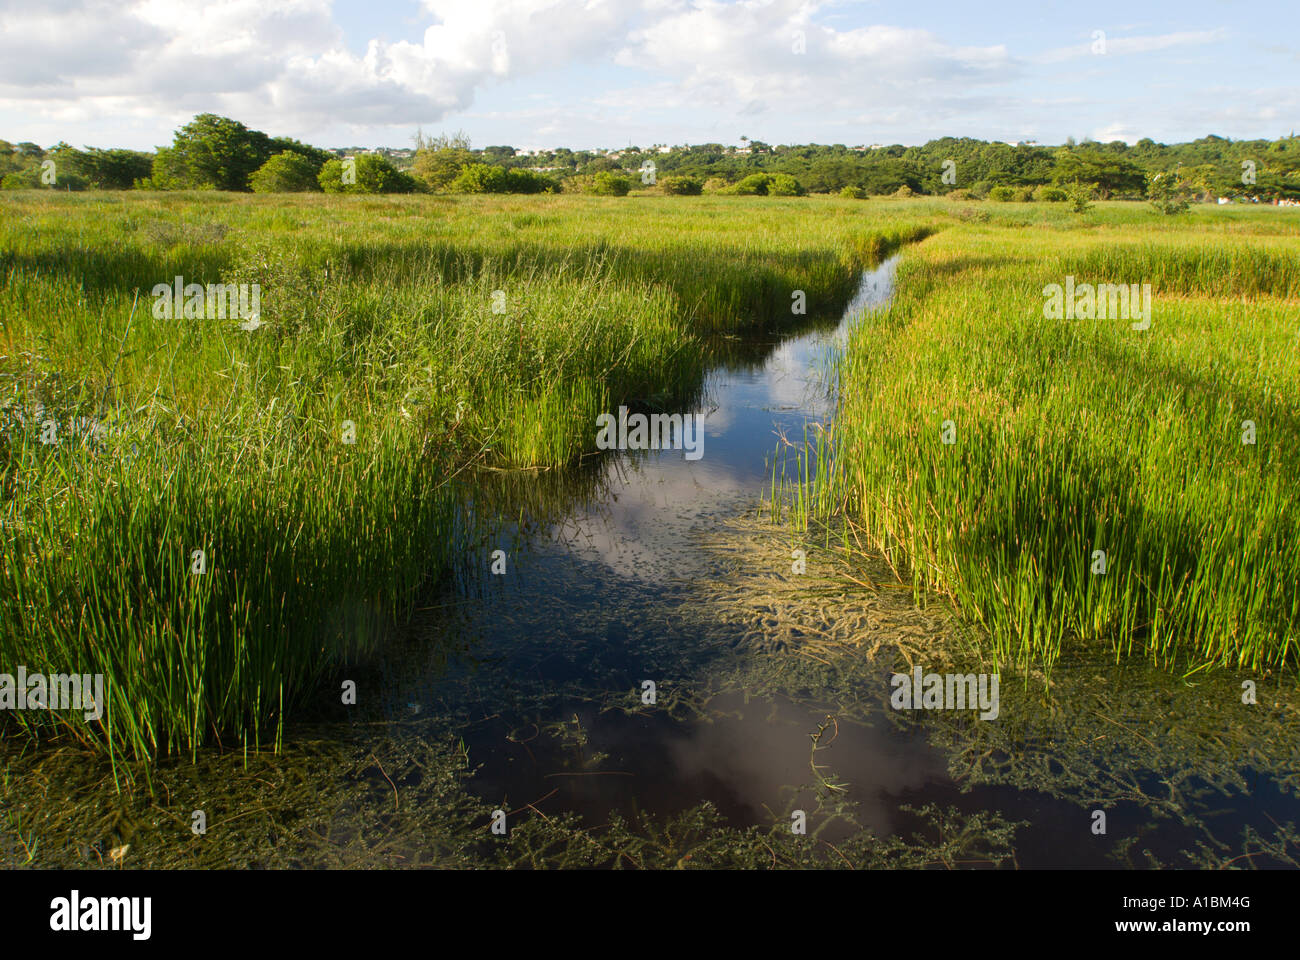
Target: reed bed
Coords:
[(319, 460), (1077, 437)]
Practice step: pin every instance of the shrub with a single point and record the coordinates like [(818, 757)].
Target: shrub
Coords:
[(606, 184), (374, 174), (1080, 198), (853, 193), (682, 186), (903, 192), (1049, 194), (30, 179), (756, 184), (286, 172), (1002, 194), (715, 185), (784, 185), (1167, 195), (439, 167), (479, 178), (530, 181)]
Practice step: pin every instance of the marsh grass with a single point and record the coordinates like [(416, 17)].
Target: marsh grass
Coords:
[(320, 460), (1074, 436)]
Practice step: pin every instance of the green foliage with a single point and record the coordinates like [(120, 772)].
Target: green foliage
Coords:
[(372, 174), (29, 178), (101, 169), (1071, 436), (756, 184), (286, 172), (1080, 198), (682, 186), (1106, 173), (438, 167), (485, 178), (853, 193), (1168, 194), (1046, 194), (530, 181), (608, 184), (317, 157), (1011, 194), (215, 153), (784, 185), (600, 165)]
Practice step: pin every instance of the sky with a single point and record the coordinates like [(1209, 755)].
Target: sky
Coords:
[(612, 73)]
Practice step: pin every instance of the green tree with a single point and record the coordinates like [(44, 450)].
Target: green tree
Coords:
[(439, 167), (212, 152), (1106, 173), (286, 172), (756, 184), (480, 178), (608, 184), (682, 186), (784, 185), (371, 174)]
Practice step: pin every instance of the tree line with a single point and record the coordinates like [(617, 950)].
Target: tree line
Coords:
[(218, 153)]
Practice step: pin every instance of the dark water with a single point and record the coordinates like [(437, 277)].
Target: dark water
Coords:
[(524, 692), (608, 585)]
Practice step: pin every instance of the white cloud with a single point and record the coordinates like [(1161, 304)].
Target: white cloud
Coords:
[(1121, 46)]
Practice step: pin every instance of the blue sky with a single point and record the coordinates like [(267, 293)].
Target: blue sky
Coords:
[(589, 73)]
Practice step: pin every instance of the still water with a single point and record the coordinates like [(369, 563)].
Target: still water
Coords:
[(529, 692), (651, 574)]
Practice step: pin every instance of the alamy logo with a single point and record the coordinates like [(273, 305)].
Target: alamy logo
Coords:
[(215, 301), (1114, 301), (70, 914), (946, 691), (58, 691), (658, 431)]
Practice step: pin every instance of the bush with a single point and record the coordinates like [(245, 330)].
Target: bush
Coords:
[(30, 179), (1049, 194), (1167, 194), (600, 165), (530, 181), (756, 184), (961, 193), (784, 185), (853, 193), (606, 184), (286, 172), (903, 192), (715, 185), (485, 178), (682, 186), (1002, 194), (374, 174), (1080, 197), (479, 178)]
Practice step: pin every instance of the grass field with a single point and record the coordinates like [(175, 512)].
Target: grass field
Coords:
[(1071, 438), (220, 516)]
